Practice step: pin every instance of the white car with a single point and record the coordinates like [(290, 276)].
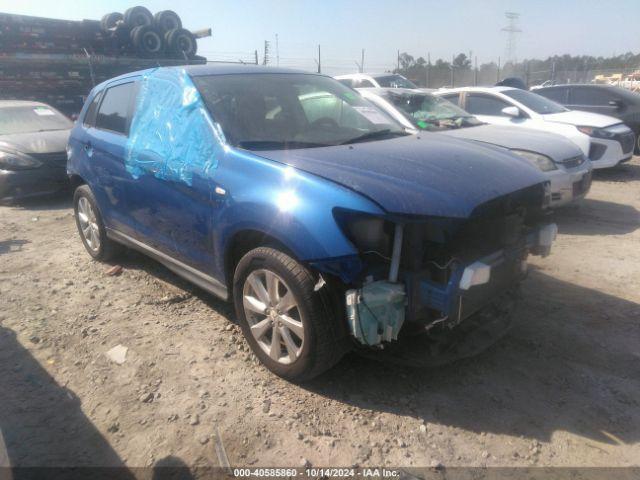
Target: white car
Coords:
[(375, 80), (561, 161), (605, 140)]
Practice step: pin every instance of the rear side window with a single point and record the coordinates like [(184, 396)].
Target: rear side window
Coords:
[(485, 105), (556, 94), (90, 116), (591, 96), (115, 109)]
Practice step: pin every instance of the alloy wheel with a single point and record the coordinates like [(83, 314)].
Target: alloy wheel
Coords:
[(88, 224), (273, 316)]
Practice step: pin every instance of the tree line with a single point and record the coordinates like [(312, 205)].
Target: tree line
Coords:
[(462, 66)]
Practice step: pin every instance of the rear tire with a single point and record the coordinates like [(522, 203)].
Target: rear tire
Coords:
[(91, 227), (301, 322)]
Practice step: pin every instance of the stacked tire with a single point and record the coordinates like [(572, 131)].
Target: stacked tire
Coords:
[(148, 35)]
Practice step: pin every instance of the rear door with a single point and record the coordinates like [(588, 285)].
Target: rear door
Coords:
[(595, 99), (104, 145)]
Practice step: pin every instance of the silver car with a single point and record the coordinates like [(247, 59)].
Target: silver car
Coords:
[(563, 162)]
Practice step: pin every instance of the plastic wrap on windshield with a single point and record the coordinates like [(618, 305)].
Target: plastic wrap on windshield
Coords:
[(172, 136)]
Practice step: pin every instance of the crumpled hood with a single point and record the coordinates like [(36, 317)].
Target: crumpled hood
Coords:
[(554, 146), (431, 174), (576, 117), (36, 142)]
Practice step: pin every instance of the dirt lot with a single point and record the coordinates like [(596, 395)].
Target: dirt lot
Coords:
[(562, 389)]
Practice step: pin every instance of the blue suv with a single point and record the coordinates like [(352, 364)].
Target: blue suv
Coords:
[(327, 225)]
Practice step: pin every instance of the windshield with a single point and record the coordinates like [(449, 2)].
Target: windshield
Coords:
[(395, 81), (535, 102), (285, 111), (33, 118), (429, 112)]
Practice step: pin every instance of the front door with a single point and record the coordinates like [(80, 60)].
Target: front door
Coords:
[(488, 108)]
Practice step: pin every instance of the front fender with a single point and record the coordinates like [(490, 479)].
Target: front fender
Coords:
[(294, 207)]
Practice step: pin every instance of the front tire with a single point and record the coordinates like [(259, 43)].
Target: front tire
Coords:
[(292, 328), (91, 227)]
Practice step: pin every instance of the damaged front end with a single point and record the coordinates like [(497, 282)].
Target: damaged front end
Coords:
[(418, 273)]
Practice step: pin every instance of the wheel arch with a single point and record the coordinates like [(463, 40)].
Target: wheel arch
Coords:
[(75, 181), (242, 242)]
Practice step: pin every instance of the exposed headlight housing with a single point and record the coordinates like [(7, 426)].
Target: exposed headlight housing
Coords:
[(543, 162), (17, 161)]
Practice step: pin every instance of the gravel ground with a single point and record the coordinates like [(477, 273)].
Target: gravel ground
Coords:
[(561, 389)]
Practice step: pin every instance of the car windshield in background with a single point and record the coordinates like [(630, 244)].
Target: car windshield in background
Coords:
[(288, 111), (427, 111), (32, 118), (395, 81), (535, 102)]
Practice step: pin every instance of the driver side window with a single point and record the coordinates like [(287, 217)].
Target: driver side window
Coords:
[(485, 105)]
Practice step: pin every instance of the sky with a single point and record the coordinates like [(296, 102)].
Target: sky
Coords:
[(343, 28)]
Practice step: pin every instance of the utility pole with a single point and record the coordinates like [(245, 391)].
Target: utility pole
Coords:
[(265, 58), (498, 74), (428, 69), (398, 61), (319, 61), (361, 64), (475, 72), (277, 51), (256, 53), (452, 76)]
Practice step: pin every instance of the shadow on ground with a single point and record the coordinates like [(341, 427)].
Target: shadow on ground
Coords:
[(136, 261), (570, 364), (42, 422), (44, 432), (625, 172), (597, 217), (49, 202)]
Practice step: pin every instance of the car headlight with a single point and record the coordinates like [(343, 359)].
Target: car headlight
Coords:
[(597, 132), (17, 161), (543, 162)]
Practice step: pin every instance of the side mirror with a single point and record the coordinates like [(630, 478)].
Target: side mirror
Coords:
[(511, 111)]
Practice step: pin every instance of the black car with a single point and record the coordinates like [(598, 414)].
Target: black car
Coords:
[(605, 99), (33, 141)]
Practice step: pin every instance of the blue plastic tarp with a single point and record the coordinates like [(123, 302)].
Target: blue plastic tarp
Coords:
[(172, 135)]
